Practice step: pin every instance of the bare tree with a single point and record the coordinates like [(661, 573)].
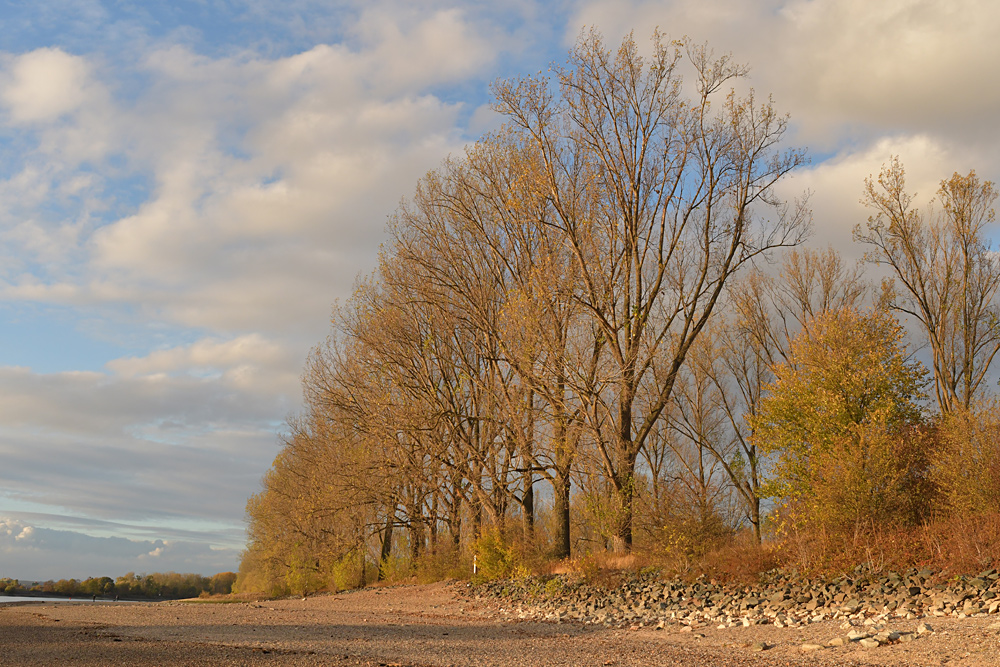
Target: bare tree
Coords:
[(661, 200), (764, 313), (946, 270), (477, 236)]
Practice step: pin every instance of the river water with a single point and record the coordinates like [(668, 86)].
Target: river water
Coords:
[(7, 599)]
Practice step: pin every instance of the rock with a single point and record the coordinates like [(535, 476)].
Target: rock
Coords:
[(760, 646), (924, 628), (870, 642), (811, 647), (887, 636), (851, 606)]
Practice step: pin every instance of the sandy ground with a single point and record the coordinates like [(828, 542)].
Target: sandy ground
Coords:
[(420, 626)]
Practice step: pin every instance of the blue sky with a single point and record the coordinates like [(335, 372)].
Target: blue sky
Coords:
[(186, 188)]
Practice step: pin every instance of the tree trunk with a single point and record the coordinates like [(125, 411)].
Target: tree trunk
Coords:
[(386, 546), (416, 537), (624, 477), (621, 541), (528, 506), (560, 489), (434, 522)]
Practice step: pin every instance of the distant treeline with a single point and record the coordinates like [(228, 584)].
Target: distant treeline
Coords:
[(169, 585)]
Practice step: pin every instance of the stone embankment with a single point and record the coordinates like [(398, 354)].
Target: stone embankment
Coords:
[(867, 602)]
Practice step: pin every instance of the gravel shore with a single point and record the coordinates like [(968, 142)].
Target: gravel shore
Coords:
[(439, 624)]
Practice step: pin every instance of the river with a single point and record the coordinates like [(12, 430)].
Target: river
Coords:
[(7, 599)]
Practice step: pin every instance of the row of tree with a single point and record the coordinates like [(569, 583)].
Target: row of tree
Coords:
[(169, 585), (577, 310)]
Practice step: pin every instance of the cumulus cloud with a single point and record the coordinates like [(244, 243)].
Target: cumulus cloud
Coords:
[(232, 361), (265, 178), (906, 64), (843, 69), (837, 183), (44, 85)]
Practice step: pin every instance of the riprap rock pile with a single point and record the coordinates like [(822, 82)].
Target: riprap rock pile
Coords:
[(862, 598)]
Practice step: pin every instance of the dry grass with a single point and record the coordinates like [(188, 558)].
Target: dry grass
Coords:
[(951, 546), (741, 561), (601, 569), (966, 544)]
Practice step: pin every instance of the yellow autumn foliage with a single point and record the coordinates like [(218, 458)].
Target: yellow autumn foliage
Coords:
[(842, 423), (966, 468)]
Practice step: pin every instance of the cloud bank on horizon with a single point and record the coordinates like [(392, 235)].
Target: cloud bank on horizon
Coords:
[(186, 188)]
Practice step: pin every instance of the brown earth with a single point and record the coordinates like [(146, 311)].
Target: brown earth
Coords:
[(419, 626)]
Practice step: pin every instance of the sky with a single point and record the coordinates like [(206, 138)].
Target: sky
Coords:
[(188, 188)]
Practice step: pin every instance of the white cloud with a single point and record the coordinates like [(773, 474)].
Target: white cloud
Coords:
[(44, 85), (900, 63), (845, 69), (248, 363), (837, 184), (267, 178), (413, 48)]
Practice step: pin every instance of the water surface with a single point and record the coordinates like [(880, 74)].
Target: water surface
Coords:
[(7, 599)]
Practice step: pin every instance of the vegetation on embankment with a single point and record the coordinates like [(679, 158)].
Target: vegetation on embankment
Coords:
[(598, 331)]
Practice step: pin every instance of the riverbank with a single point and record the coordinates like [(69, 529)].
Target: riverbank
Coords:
[(434, 625)]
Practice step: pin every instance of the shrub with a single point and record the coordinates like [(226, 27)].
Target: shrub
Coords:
[(843, 420), (496, 558), (445, 562), (966, 466)]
